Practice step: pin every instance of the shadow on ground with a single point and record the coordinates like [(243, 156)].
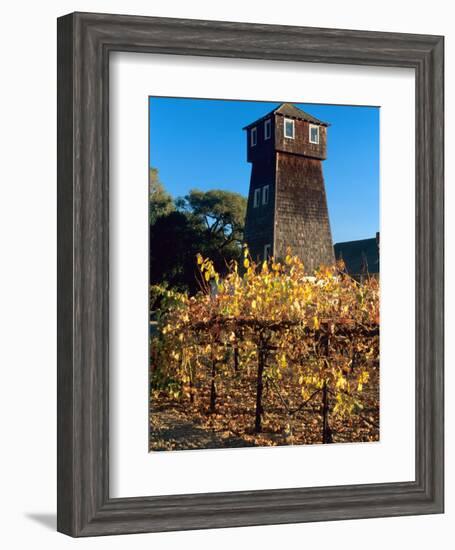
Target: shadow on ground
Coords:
[(169, 431), (47, 520)]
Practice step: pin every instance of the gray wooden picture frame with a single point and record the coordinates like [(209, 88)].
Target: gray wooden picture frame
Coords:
[(85, 41)]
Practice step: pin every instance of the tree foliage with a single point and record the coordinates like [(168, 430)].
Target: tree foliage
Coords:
[(223, 213), (174, 241), (160, 202), (208, 222)]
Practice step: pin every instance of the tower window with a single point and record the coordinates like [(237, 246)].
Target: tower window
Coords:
[(267, 129), (288, 128), (314, 133), (253, 136), (267, 251), (257, 197), (265, 194)]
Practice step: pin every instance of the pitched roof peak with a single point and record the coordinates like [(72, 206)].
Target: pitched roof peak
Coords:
[(291, 111)]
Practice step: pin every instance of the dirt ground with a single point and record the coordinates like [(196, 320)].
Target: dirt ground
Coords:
[(184, 423), (172, 429), (179, 424)]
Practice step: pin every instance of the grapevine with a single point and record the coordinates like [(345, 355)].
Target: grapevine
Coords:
[(268, 349)]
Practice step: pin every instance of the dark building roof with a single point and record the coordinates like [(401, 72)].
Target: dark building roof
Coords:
[(290, 111), (359, 256)]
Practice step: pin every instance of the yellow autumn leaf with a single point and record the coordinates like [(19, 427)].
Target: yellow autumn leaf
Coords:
[(341, 382)]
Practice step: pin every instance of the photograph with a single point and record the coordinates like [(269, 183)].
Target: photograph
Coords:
[(264, 290)]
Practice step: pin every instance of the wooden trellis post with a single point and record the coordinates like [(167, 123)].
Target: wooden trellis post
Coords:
[(326, 431)]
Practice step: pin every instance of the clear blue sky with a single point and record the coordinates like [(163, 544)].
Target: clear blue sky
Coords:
[(198, 143)]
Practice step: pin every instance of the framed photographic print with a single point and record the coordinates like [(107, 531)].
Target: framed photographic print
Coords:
[(262, 331), (250, 253)]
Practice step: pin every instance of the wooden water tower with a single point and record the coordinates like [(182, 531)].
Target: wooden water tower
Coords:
[(287, 205)]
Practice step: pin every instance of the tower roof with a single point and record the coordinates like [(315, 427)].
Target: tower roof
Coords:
[(290, 111)]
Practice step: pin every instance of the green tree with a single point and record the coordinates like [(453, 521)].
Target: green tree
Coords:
[(160, 201), (210, 223), (174, 242), (222, 212)]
